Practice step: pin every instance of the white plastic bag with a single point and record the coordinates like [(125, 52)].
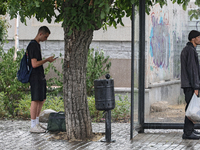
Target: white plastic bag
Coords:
[(193, 110)]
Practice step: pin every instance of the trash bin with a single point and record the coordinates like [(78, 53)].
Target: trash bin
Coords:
[(104, 94), (105, 100)]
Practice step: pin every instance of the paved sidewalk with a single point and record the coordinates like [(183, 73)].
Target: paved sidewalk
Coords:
[(14, 135)]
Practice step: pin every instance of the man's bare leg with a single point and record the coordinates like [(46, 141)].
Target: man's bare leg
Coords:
[(39, 107), (36, 107), (33, 111)]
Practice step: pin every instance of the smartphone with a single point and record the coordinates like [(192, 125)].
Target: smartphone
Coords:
[(55, 57)]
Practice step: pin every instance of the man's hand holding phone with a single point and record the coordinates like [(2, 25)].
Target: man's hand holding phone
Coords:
[(51, 59)]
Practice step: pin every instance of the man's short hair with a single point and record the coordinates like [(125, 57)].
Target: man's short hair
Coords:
[(44, 30), (193, 34)]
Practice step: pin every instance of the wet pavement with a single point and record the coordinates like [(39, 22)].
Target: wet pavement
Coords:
[(15, 135)]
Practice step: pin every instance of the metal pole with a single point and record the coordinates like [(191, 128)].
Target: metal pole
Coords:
[(108, 126), (16, 36), (167, 126), (141, 86), (132, 71)]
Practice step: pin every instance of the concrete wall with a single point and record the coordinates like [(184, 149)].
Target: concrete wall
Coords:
[(29, 31)]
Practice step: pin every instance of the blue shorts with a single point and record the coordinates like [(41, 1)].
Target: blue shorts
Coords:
[(38, 90)]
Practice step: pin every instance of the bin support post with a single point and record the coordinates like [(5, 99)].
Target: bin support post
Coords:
[(105, 100), (108, 127)]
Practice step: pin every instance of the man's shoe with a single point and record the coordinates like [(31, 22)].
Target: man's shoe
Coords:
[(37, 129), (45, 128), (193, 136), (196, 132)]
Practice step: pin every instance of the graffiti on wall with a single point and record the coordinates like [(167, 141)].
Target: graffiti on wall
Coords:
[(159, 42), (168, 35)]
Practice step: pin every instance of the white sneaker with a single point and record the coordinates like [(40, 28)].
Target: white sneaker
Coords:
[(37, 129), (42, 127)]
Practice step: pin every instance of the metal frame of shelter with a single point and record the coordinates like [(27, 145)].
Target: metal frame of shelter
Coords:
[(141, 88)]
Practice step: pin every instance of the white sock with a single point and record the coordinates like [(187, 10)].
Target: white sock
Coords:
[(37, 120), (33, 123)]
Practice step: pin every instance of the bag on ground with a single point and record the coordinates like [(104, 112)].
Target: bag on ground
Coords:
[(193, 110), (56, 122), (24, 71)]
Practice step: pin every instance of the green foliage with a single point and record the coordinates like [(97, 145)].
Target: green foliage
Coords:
[(122, 108), (95, 114), (76, 14), (79, 14), (55, 81), (120, 112), (52, 102), (55, 103), (3, 31), (23, 107), (97, 66), (22, 110), (14, 97), (3, 7), (3, 112), (195, 13), (12, 89)]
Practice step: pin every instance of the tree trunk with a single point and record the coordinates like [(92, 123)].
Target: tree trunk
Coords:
[(78, 121)]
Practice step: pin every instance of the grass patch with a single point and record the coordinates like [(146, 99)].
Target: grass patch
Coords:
[(119, 113)]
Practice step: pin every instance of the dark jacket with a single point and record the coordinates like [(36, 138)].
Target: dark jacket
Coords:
[(190, 67)]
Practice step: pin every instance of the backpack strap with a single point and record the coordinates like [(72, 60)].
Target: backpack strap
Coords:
[(30, 66)]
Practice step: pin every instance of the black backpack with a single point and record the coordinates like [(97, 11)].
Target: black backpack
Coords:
[(24, 71)]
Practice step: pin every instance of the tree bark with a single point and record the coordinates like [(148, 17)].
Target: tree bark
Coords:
[(78, 121)]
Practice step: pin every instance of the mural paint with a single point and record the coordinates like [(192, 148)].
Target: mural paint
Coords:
[(167, 30), (160, 42)]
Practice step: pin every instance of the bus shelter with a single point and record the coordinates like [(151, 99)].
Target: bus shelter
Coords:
[(138, 121)]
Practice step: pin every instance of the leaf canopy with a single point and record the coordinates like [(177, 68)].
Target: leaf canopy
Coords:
[(78, 14)]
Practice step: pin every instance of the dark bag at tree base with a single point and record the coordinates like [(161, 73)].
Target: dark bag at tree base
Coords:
[(56, 122), (24, 72)]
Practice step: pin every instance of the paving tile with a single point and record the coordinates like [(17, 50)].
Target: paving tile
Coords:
[(15, 135)]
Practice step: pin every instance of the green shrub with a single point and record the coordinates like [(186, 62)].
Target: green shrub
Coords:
[(3, 112), (95, 114), (23, 108), (122, 108), (3, 30), (24, 105), (15, 97), (12, 89), (55, 81), (55, 103), (97, 66), (120, 112)]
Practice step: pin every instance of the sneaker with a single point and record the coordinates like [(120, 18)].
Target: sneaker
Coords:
[(42, 127), (37, 129), (196, 132), (193, 136)]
